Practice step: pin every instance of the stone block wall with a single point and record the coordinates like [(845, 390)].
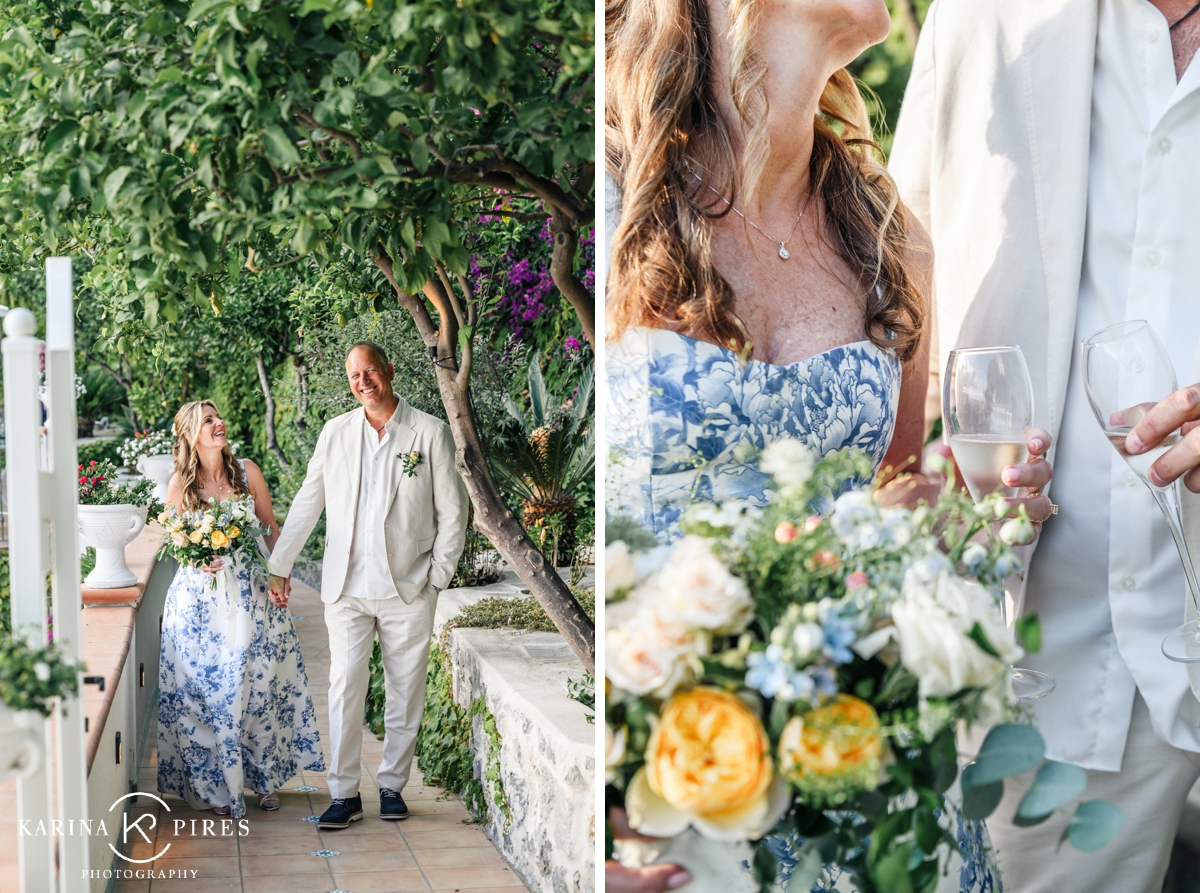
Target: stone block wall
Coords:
[(547, 756)]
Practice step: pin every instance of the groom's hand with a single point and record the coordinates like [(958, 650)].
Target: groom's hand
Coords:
[(1180, 411)]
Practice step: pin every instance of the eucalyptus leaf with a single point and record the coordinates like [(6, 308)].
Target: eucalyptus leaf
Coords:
[(1055, 785), (1009, 749), (980, 801), (1094, 824)]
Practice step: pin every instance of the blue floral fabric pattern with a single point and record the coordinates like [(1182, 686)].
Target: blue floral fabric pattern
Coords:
[(686, 422), (687, 419), (234, 710)]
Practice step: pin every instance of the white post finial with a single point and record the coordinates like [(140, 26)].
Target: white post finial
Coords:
[(20, 323)]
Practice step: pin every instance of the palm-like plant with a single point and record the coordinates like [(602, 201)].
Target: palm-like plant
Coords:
[(552, 456)]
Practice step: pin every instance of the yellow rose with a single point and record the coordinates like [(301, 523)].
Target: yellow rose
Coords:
[(833, 751), (196, 536), (234, 532), (708, 764), (219, 540)]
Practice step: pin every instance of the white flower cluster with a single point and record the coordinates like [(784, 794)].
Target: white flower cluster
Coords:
[(790, 462), (933, 620), (654, 636), (862, 524), (150, 443)]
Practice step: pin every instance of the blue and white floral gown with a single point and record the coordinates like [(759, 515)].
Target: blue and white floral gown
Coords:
[(686, 421), (234, 711)]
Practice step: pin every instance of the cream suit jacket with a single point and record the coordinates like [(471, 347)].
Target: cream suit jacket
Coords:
[(991, 153), (426, 517)]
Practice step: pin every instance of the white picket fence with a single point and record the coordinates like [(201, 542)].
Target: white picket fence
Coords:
[(41, 505)]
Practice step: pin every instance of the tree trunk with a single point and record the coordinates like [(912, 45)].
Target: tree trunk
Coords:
[(301, 393), (492, 517), (562, 263), (272, 444)]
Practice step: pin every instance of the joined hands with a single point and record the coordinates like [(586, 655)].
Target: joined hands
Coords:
[(281, 591)]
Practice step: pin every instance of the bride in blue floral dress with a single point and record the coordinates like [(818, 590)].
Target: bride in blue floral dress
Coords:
[(765, 283), (234, 711)]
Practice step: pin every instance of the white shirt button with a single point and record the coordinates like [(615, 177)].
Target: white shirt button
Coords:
[(1128, 583), (1151, 35), (1130, 479), (1153, 257), (1137, 366), (1164, 145)]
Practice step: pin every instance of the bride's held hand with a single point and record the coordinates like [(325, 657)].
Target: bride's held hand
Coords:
[(1030, 477), (212, 567), (648, 879)]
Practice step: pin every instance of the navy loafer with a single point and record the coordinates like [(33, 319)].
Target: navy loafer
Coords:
[(391, 805)]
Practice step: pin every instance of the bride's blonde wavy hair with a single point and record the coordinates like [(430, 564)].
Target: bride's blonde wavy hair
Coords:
[(660, 110), (186, 428)]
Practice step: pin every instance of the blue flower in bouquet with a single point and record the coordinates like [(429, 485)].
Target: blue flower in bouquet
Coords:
[(772, 675), (1007, 565), (840, 633)]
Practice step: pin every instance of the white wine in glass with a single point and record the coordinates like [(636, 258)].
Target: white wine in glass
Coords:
[(1127, 371), (987, 410)]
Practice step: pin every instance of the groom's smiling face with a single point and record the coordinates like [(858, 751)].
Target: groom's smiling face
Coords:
[(370, 381)]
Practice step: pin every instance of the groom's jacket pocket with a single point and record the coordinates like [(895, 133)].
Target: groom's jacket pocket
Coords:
[(426, 543)]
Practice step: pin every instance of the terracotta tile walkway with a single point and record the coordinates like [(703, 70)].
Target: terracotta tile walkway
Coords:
[(435, 849)]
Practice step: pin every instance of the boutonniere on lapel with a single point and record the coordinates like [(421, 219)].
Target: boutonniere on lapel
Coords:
[(411, 461)]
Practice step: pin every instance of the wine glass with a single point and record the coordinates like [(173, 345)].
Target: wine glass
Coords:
[(987, 410), (1127, 372)]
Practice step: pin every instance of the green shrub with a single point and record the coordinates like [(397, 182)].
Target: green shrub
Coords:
[(106, 449)]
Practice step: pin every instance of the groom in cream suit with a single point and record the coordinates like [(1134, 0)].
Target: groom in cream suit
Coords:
[(397, 515), (1052, 149)]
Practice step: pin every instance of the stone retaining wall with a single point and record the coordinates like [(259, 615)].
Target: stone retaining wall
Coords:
[(547, 756)]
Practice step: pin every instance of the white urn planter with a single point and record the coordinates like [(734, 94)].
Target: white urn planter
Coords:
[(159, 469), (109, 529)]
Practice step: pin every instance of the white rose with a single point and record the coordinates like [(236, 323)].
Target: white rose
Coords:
[(614, 752), (699, 592), (619, 570), (932, 627), (790, 462), (643, 666), (42, 671), (179, 540)]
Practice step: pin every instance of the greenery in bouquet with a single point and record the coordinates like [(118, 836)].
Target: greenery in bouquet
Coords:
[(793, 676), (98, 485), (146, 443), (198, 537), (31, 677)]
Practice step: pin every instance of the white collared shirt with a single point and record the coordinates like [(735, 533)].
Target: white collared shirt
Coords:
[(368, 575), (1106, 579)]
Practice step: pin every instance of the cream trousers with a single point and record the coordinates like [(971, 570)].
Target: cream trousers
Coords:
[(404, 637), (1150, 790)]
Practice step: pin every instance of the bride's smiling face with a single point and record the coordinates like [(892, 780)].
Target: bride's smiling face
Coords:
[(212, 433)]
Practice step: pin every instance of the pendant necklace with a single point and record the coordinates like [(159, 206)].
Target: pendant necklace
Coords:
[(782, 243)]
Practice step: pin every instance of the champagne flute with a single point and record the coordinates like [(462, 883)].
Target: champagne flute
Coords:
[(1127, 371), (987, 410)]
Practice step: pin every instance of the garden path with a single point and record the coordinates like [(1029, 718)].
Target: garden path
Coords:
[(435, 849)]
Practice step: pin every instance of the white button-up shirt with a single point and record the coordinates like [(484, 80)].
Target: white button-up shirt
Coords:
[(1106, 579), (368, 575)]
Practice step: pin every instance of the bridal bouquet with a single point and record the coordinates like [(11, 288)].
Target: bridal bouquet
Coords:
[(200, 536), (799, 671)]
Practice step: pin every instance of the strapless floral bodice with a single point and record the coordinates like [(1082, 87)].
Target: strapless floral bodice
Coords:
[(687, 419)]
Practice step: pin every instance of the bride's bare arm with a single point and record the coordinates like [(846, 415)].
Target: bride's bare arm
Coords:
[(900, 478), (262, 502)]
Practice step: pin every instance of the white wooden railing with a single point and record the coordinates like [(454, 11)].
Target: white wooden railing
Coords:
[(41, 502)]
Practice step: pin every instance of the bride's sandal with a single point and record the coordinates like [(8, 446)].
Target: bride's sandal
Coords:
[(221, 810), (269, 802)]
